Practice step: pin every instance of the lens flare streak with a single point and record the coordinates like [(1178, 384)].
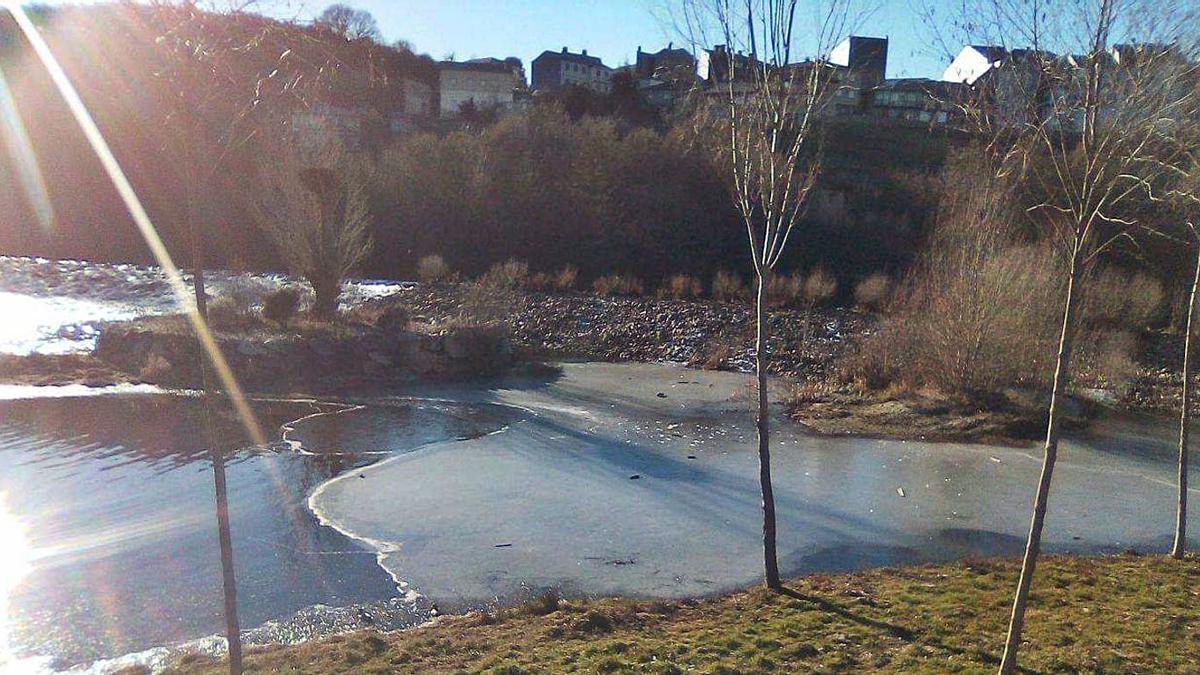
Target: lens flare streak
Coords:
[(20, 149), (140, 218)]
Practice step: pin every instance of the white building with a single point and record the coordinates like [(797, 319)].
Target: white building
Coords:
[(488, 84)]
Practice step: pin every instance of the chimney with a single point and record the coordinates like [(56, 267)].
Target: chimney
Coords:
[(564, 50), (585, 52), (670, 45)]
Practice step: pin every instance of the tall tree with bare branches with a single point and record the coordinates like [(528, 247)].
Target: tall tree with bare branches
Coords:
[(215, 98), (1179, 544), (1185, 194), (1089, 133), (310, 201), (763, 119)]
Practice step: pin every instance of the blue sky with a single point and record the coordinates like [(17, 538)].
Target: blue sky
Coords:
[(610, 29)]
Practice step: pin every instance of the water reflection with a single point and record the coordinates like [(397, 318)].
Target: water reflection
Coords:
[(117, 493), (15, 559)]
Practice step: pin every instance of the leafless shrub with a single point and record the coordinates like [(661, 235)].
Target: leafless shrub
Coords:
[(713, 356), (785, 291), (432, 269), (496, 295), (510, 275), (819, 287), (540, 282), (1122, 299), (978, 331), (729, 287), (681, 287), (281, 305), (873, 291), (565, 279), (313, 206), (232, 313), (618, 284)]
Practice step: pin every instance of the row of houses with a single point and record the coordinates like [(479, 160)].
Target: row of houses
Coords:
[(1014, 84)]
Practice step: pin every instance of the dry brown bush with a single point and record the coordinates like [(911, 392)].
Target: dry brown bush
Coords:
[(618, 284), (819, 288), (432, 269), (785, 291), (540, 282), (980, 330), (565, 279), (872, 292), (729, 287), (1122, 299), (681, 287), (982, 310), (510, 275)]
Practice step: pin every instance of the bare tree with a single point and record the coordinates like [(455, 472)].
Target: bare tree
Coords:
[(1088, 133), (1179, 546), (765, 117), (1186, 194), (350, 23), (313, 206), (213, 102)]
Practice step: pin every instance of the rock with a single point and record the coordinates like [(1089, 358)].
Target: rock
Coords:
[(661, 395), (393, 319), (900, 491), (247, 348), (636, 476)]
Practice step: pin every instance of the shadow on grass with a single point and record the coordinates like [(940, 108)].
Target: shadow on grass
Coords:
[(895, 630)]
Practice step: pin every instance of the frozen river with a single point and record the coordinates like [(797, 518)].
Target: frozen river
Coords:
[(626, 479)]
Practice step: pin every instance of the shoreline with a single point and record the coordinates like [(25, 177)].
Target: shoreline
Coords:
[(621, 456), (566, 400), (703, 334), (941, 617)]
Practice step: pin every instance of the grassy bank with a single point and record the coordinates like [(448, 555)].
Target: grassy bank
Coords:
[(1114, 614)]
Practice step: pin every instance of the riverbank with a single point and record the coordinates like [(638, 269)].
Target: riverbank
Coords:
[(807, 349), (1110, 614), (350, 355)]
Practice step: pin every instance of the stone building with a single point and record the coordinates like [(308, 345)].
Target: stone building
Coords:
[(556, 70)]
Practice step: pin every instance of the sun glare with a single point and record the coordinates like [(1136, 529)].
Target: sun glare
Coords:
[(140, 217), (16, 557), (15, 139)]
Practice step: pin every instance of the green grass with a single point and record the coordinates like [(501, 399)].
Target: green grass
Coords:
[(1114, 614)]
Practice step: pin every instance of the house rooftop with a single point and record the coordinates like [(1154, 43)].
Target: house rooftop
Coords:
[(992, 53), (566, 55), (484, 65)]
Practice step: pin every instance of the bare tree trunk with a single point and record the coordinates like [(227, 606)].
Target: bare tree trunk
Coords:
[(233, 633), (1033, 545), (770, 558), (325, 296), (197, 242), (1180, 546)]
